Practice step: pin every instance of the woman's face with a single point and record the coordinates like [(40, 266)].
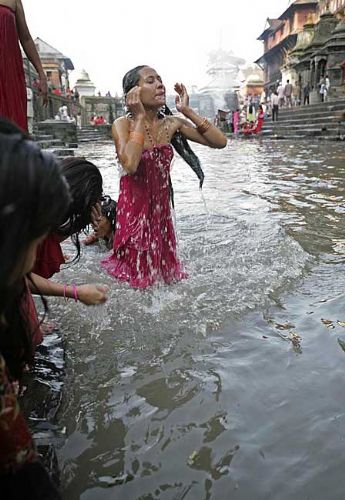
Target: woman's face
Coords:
[(152, 89), (104, 229)]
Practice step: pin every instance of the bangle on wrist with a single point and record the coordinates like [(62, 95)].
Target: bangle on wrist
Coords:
[(75, 292), (204, 126)]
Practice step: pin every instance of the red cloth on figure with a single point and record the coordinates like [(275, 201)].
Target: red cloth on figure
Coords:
[(29, 309), (145, 242), (49, 257), (259, 123), (13, 105), (17, 448)]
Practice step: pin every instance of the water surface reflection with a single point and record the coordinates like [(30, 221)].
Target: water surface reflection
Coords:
[(196, 390)]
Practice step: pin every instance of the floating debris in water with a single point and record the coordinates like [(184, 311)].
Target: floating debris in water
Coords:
[(327, 322)]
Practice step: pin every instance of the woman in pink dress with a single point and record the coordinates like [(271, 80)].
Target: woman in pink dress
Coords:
[(13, 28), (144, 250)]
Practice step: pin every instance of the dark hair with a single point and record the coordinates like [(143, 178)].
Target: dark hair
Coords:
[(85, 183), (33, 198), (180, 143), (108, 209)]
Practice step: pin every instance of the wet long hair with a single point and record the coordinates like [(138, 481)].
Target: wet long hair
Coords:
[(180, 143), (85, 183), (34, 197)]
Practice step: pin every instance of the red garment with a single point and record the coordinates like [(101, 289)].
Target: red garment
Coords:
[(13, 105), (49, 257), (16, 447), (144, 242), (29, 309), (259, 123)]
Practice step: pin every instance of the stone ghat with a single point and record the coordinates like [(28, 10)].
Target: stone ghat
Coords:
[(322, 121)]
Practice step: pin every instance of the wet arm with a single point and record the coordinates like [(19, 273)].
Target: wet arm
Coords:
[(128, 151), (26, 40), (213, 137), (87, 294)]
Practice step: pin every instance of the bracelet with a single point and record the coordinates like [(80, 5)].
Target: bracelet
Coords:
[(137, 137), (75, 292), (204, 126)]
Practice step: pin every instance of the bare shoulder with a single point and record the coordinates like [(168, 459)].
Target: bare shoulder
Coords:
[(121, 124), (173, 122)]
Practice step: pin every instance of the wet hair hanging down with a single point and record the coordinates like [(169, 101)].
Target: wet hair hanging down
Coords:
[(180, 143)]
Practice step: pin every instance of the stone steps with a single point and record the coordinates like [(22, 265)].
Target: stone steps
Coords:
[(61, 152), (321, 121), (49, 143)]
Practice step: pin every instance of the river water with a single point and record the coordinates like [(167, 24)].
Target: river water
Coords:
[(228, 384)]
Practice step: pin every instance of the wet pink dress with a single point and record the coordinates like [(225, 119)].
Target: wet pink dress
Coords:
[(12, 79), (145, 243)]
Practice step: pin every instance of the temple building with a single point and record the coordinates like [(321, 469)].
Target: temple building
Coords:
[(55, 64), (223, 70), (84, 85), (280, 37), (252, 86), (310, 50)]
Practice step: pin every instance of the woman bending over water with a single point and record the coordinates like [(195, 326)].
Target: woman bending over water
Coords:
[(144, 250)]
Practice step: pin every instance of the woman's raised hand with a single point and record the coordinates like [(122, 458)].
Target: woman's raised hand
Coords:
[(182, 99), (134, 104)]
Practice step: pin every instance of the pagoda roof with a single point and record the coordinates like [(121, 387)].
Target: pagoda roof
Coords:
[(286, 44), (295, 5), (47, 51), (272, 25)]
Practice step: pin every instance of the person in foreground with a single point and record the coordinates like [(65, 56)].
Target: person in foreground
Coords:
[(33, 197), (144, 250)]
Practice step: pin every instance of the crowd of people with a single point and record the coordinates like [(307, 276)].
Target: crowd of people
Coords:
[(290, 95), (49, 202)]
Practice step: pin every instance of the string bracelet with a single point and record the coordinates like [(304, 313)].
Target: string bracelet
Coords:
[(75, 292), (204, 126), (137, 138)]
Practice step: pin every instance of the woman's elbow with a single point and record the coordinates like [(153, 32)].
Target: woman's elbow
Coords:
[(221, 143)]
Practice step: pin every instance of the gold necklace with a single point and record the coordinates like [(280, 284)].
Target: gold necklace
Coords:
[(149, 135)]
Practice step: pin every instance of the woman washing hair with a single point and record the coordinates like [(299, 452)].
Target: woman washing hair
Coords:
[(85, 183), (144, 250)]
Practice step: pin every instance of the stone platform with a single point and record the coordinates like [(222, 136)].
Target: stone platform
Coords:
[(321, 121)]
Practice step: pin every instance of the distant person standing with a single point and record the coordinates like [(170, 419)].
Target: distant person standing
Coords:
[(306, 93), (327, 84), (13, 28), (236, 121), (323, 92), (288, 93), (281, 95), (275, 105)]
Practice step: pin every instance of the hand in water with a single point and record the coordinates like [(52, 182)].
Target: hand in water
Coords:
[(182, 99), (92, 295), (133, 102)]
